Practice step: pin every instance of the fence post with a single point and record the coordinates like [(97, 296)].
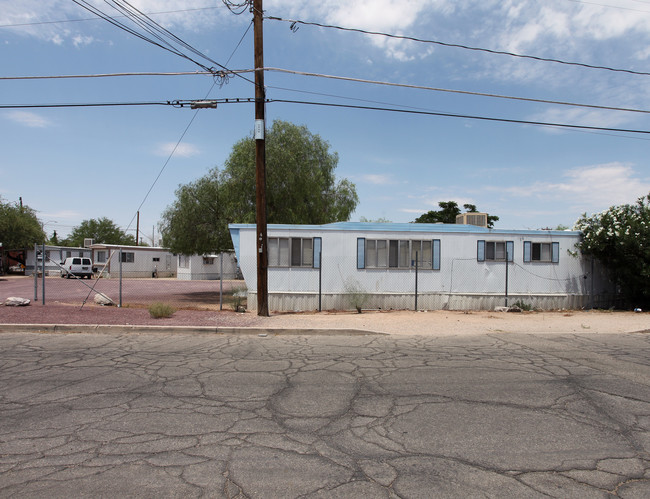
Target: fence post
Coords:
[(43, 277), (320, 278), (35, 271), (221, 281), (591, 293), (120, 299), (416, 281)]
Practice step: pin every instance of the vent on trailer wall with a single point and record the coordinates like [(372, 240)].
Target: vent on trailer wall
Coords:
[(479, 219)]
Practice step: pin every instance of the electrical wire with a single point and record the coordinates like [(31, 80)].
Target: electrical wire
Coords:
[(107, 75), (465, 92), (37, 23), (457, 45), (165, 38), (611, 6), (171, 154), (464, 116)]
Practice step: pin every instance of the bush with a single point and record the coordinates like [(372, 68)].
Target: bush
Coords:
[(161, 310), (522, 305), (238, 298), (356, 295), (620, 238)]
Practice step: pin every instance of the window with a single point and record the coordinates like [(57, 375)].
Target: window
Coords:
[(494, 251), (208, 260), (128, 257), (541, 252), (291, 252), (398, 253), (156, 259), (101, 257), (183, 261)]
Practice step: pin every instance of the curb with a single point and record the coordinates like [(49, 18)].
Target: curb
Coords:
[(190, 330)]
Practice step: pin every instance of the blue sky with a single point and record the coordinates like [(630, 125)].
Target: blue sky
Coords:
[(71, 164)]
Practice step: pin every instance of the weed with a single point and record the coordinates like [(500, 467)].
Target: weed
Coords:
[(523, 306), (161, 310)]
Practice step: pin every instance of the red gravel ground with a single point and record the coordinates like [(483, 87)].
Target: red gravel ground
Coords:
[(95, 314)]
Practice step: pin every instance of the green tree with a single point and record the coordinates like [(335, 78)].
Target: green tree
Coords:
[(19, 226), (301, 187), (380, 220), (448, 212), (620, 239), (100, 230)]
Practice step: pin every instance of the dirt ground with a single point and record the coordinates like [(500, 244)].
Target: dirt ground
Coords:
[(437, 322)]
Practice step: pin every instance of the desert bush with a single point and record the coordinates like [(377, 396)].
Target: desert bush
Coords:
[(161, 310)]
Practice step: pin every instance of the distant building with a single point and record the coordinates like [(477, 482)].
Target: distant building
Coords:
[(136, 261)]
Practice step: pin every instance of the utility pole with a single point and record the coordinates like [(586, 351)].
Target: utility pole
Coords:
[(260, 164)]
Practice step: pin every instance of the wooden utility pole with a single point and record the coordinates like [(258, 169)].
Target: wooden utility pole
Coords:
[(260, 164)]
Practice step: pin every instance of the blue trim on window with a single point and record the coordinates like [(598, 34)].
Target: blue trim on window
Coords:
[(510, 250), (527, 251), (361, 252), (480, 251), (436, 254), (555, 252), (318, 242)]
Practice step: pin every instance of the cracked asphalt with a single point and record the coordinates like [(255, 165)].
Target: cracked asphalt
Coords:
[(372, 416)]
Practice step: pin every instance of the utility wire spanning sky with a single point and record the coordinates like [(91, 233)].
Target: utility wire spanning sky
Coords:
[(435, 57)]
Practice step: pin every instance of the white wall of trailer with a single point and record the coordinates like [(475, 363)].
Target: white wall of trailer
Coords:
[(462, 282), (54, 256), (137, 261), (207, 267)]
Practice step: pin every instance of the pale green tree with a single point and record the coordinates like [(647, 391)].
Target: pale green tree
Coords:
[(301, 188)]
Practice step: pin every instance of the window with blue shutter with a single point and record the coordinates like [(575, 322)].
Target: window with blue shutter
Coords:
[(361, 253), (317, 252), (480, 251), (527, 250), (555, 258), (436, 254)]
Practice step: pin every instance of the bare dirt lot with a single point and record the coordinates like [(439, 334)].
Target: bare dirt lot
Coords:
[(437, 322)]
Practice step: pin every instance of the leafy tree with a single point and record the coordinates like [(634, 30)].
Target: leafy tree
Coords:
[(301, 187), (54, 240), (620, 239), (448, 212), (100, 230), (380, 220), (19, 226)]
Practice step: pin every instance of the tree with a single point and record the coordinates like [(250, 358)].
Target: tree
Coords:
[(448, 213), (620, 239), (300, 188), (101, 231), (19, 226), (380, 220)]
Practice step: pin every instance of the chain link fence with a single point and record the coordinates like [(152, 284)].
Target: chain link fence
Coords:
[(128, 277)]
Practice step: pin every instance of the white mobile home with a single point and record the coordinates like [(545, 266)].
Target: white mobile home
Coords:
[(136, 261), (436, 266), (208, 267), (54, 257)]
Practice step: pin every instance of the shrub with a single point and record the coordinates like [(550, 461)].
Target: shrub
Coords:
[(238, 298), (161, 310), (356, 295), (522, 305), (620, 238)]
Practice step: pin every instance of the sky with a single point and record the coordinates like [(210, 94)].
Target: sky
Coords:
[(75, 163)]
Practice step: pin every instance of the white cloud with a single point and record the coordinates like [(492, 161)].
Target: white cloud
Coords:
[(29, 119), (377, 179), (184, 150), (590, 188), (79, 40)]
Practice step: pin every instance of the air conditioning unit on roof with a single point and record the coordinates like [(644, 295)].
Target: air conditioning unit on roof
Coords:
[(88, 242), (479, 219)]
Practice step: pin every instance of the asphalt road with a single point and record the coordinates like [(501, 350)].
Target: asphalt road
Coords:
[(169, 415)]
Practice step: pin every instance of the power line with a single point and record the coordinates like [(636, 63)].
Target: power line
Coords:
[(465, 116), (465, 92), (457, 45), (179, 103), (108, 75), (61, 21), (611, 6), (178, 142)]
